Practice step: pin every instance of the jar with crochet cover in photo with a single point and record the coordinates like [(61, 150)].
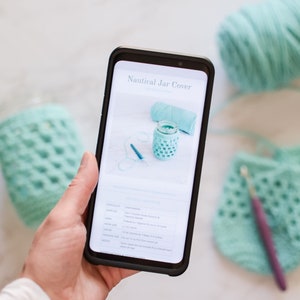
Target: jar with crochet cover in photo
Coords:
[(40, 151), (165, 140)]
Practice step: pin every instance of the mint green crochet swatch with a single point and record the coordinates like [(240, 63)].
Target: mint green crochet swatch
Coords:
[(40, 152), (277, 182)]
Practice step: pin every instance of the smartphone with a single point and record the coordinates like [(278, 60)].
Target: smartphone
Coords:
[(150, 151)]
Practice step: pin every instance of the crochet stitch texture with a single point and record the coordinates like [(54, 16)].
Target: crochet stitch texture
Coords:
[(277, 182), (40, 152)]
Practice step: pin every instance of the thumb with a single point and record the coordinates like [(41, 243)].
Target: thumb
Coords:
[(76, 197)]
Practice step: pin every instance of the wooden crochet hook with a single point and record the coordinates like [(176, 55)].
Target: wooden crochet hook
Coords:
[(265, 232)]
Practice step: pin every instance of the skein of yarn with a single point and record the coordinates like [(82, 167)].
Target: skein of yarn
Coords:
[(259, 45)]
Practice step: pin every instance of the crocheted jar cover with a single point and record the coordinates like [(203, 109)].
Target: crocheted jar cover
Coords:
[(40, 152), (165, 140), (277, 182)]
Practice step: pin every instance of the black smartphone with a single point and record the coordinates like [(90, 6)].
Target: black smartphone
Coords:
[(150, 150)]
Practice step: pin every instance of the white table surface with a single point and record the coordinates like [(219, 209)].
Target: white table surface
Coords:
[(59, 49)]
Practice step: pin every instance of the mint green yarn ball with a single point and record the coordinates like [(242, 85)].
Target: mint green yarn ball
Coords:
[(259, 45), (40, 152)]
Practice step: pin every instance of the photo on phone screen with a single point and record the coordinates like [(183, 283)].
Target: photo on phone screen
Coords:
[(150, 150)]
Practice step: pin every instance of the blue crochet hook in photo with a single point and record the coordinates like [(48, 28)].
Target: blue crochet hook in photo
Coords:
[(129, 161), (137, 152)]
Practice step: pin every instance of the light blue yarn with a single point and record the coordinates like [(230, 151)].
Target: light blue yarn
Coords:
[(259, 45), (185, 119), (40, 151)]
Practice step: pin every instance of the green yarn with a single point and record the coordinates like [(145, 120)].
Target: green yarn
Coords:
[(184, 119), (259, 45), (40, 152), (277, 182)]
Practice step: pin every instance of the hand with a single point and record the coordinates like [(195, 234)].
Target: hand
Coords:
[(55, 260)]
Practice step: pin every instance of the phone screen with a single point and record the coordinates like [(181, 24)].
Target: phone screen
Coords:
[(148, 162)]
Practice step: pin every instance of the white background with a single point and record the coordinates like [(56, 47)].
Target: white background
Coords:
[(60, 49)]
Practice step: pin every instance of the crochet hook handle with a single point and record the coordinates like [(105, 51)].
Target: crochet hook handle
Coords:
[(137, 152), (266, 237)]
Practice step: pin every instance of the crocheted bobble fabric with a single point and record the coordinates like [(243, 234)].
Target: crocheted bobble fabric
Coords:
[(277, 182), (40, 152)]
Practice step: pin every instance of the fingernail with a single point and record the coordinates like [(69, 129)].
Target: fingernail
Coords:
[(84, 159)]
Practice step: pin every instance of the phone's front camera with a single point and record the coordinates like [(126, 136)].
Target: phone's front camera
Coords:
[(180, 63)]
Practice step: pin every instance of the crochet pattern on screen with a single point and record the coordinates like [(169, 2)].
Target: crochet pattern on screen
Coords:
[(277, 182), (39, 154)]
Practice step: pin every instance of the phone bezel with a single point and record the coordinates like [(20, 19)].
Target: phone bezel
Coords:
[(166, 59)]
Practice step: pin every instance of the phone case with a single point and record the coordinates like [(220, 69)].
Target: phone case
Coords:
[(164, 146)]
